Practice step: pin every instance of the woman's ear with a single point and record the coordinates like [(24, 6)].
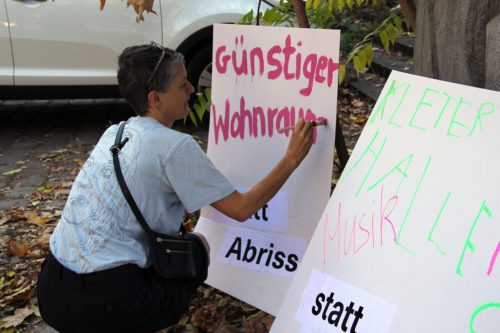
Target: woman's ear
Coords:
[(154, 100)]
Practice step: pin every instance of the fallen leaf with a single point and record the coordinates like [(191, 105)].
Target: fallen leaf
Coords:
[(3, 220), (36, 311), (46, 188), (357, 103), (34, 218), (12, 172), (22, 293), (65, 184), (60, 151), (16, 249), (16, 216), (43, 241), (17, 318)]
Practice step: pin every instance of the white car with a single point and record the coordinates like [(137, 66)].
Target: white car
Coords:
[(67, 44)]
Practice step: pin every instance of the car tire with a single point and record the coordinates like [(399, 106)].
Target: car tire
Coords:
[(199, 69), (199, 73)]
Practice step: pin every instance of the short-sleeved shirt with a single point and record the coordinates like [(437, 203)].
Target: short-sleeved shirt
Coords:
[(166, 172)]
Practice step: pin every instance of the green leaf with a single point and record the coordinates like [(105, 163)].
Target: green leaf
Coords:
[(201, 99), (392, 33), (359, 2), (309, 4), (369, 53), (385, 40), (398, 23), (331, 3), (362, 61), (341, 73), (247, 18), (357, 64), (208, 94), (349, 3), (193, 118), (200, 110), (316, 4), (340, 5)]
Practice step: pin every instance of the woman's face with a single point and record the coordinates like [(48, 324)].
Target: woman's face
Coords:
[(175, 100)]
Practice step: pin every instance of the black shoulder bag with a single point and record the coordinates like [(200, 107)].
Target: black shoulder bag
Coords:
[(171, 256)]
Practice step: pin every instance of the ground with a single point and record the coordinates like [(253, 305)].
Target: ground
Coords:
[(42, 146)]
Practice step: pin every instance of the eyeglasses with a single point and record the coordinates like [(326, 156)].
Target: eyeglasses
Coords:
[(164, 51)]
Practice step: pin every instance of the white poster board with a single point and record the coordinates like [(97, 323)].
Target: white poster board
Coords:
[(263, 79), (410, 238)]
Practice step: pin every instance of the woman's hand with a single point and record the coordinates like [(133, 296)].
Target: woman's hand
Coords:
[(300, 142)]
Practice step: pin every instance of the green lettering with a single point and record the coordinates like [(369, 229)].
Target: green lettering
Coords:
[(382, 103), (435, 223), (468, 244), (453, 121), (479, 115), (403, 223), (442, 110), (402, 170), (391, 122), (417, 109), (478, 310), (376, 155)]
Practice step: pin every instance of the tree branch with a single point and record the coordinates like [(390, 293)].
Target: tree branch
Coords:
[(300, 12)]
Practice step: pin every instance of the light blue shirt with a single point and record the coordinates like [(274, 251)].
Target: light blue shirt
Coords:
[(166, 172)]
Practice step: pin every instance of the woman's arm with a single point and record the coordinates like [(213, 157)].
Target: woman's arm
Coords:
[(240, 206)]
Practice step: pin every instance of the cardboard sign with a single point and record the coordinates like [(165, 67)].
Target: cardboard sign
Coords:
[(265, 79), (409, 241)]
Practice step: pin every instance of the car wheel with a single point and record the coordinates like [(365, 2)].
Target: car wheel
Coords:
[(199, 72), (199, 69)]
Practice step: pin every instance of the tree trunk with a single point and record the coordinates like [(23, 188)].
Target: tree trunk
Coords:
[(300, 13), (459, 41)]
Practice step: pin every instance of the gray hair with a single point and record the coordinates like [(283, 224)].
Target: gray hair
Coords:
[(135, 67)]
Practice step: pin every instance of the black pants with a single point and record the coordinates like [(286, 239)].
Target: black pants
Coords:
[(122, 299)]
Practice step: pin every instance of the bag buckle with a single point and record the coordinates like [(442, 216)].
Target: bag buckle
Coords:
[(115, 149)]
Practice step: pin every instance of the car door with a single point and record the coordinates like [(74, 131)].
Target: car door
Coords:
[(72, 42), (6, 64)]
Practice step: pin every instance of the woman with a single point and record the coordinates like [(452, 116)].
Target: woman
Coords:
[(97, 276)]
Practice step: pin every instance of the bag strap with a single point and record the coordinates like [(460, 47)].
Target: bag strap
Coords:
[(115, 150)]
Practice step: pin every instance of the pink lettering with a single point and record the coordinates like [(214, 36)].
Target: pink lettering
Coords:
[(332, 67), (326, 232), (221, 67), (385, 217), (288, 50), (257, 52), (353, 236), (351, 229), (322, 64), (493, 260), (275, 62), (256, 120), (270, 115), (309, 71), (274, 74), (221, 124), (283, 118), (259, 112), (366, 231)]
